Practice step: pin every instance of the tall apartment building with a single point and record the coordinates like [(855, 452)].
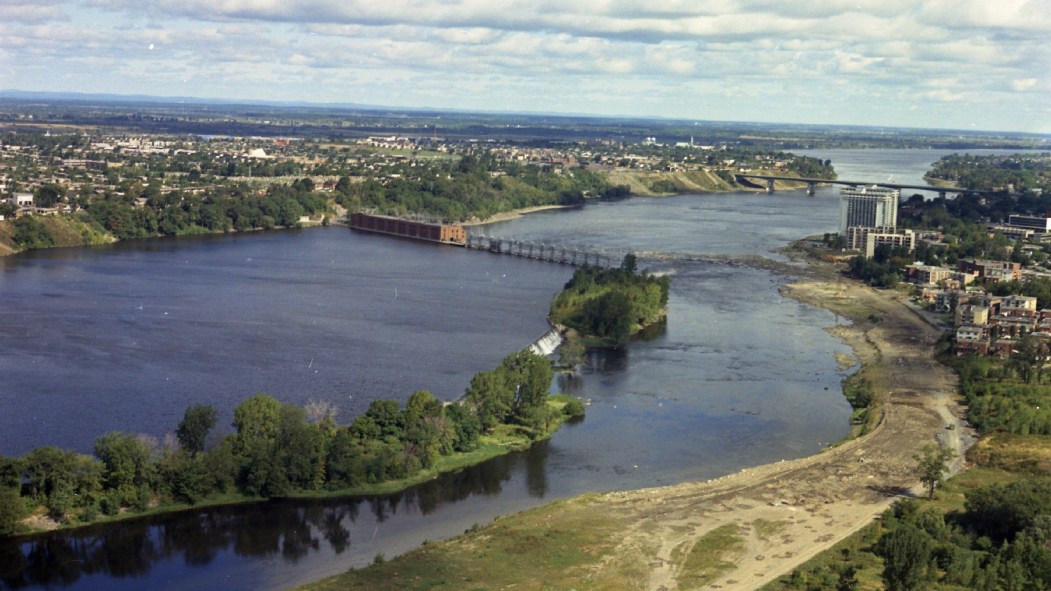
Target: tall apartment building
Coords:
[(868, 207)]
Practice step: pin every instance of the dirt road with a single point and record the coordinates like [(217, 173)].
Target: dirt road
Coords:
[(790, 511)]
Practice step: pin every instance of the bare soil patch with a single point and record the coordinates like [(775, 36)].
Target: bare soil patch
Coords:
[(784, 513)]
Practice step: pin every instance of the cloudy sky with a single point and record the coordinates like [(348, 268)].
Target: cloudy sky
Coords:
[(959, 64)]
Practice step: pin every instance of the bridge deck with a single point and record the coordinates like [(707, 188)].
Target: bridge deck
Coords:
[(817, 181)]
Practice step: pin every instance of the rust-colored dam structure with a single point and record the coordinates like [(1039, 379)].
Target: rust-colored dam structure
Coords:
[(444, 233), (457, 235)]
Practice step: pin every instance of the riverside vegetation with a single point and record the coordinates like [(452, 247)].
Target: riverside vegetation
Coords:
[(281, 450), (988, 528), (608, 306)]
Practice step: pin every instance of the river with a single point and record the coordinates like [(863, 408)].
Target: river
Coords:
[(125, 337)]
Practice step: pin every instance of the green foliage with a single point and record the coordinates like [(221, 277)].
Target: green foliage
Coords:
[(48, 195), (193, 429), (574, 408), (664, 186), (475, 186), (280, 449), (906, 551), (530, 377), (226, 208), (995, 172), (490, 398), (571, 353), (60, 480), (999, 399), (31, 233), (611, 304), (127, 465), (1002, 511), (11, 510), (932, 464)]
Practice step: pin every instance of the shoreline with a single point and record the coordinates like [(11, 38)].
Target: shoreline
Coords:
[(487, 450), (512, 215), (812, 502)]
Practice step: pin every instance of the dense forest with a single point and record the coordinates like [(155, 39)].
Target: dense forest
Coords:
[(611, 304), (279, 449)]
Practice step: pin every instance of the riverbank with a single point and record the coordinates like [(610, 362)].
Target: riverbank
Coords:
[(513, 214), (735, 532), (501, 440)]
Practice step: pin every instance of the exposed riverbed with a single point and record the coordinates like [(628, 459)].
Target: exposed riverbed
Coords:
[(125, 337)]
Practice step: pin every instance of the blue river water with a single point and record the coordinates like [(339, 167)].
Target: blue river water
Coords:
[(125, 337)]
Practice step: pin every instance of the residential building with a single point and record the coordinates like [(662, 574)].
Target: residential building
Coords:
[(995, 271), (972, 314), (1017, 306), (1038, 224), (972, 339), (869, 207), (867, 239), (921, 274)]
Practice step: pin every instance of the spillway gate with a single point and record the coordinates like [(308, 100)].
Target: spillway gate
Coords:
[(566, 255)]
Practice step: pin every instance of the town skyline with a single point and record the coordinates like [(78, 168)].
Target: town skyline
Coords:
[(939, 65)]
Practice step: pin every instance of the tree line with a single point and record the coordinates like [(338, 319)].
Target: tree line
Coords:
[(280, 449), (999, 541), (995, 172), (475, 186)]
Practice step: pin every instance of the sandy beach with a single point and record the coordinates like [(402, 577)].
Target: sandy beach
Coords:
[(510, 215), (819, 500)]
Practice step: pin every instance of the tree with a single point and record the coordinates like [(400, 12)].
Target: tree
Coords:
[(1026, 361), (58, 478), (848, 579), (128, 470), (906, 551), (571, 353), (932, 464), (630, 264), (48, 195), (31, 233), (193, 429), (257, 421), (490, 398), (11, 510), (529, 375)]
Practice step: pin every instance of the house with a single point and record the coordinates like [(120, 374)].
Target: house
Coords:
[(21, 199)]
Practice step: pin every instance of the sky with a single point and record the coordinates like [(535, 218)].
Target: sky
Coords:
[(948, 64)]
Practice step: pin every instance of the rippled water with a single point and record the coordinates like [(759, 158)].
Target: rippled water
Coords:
[(126, 337)]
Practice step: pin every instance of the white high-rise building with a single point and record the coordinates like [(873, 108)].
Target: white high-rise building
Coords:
[(868, 207)]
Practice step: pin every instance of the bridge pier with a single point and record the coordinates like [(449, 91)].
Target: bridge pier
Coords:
[(810, 188), (769, 185)]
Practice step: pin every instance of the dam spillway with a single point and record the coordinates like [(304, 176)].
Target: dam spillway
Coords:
[(566, 255)]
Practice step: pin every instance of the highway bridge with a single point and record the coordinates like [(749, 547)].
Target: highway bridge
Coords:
[(813, 182)]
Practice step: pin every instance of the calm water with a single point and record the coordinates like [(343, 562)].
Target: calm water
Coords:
[(126, 337)]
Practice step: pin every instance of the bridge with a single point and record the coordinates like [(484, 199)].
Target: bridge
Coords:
[(813, 182), (577, 257)]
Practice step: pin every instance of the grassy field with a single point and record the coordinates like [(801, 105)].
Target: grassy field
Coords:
[(544, 548)]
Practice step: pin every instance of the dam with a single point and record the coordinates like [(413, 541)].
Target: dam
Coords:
[(457, 235)]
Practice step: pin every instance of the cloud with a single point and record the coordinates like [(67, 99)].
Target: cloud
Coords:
[(637, 54), (30, 12), (1024, 84)]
